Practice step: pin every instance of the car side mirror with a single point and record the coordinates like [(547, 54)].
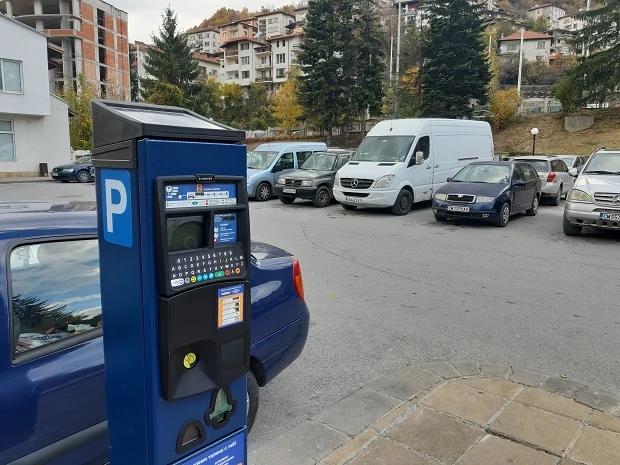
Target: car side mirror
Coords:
[(419, 158), (520, 183), (573, 172), (449, 180)]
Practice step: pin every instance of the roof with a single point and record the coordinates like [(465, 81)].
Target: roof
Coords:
[(527, 35), (46, 220), (536, 158), (274, 13), (545, 5), (14, 21), (283, 145), (286, 36), (205, 57), (203, 29)]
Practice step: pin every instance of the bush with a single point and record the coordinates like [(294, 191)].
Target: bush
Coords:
[(503, 107)]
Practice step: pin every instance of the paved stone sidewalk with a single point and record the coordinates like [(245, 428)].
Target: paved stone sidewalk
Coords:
[(461, 413)]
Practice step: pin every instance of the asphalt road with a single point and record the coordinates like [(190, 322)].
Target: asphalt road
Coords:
[(385, 291)]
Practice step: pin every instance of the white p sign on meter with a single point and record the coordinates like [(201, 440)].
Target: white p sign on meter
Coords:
[(116, 195)]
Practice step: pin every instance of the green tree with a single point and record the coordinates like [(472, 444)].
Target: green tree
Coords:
[(258, 115), (231, 97), (170, 60), (285, 107), (133, 78), (503, 106), (569, 92), (204, 98), (81, 125), (541, 24), (164, 93), (456, 71)]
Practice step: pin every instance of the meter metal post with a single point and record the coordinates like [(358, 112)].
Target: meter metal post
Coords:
[(174, 249)]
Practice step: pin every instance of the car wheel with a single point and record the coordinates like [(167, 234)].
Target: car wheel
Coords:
[(534, 210), (322, 197), (83, 176), (348, 207), (570, 229), (287, 199), (555, 201), (252, 400), (263, 192), (441, 218), (403, 203), (504, 216)]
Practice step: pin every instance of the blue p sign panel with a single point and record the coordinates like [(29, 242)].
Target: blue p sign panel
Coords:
[(116, 194)]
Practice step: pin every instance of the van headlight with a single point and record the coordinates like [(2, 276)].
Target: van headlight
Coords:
[(439, 196), (577, 195), (306, 183), (337, 180), (384, 181), (281, 181)]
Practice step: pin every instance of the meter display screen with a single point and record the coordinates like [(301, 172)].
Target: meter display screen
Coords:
[(225, 229), (185, 233), (189, 196)]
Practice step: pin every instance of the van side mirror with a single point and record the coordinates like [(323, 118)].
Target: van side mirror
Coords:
[(277, 168), (419, 158), (573, 172)]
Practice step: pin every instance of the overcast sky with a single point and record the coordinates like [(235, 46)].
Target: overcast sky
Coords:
[(145, 15)]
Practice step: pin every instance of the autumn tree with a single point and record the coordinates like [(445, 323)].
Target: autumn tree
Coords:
[(285, 108), (231, 96), (81, 125), (503, 107)]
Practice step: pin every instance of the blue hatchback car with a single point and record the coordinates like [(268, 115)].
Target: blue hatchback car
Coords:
[(489, 191)]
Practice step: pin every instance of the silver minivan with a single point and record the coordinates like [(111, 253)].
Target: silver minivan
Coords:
[(268, 161)]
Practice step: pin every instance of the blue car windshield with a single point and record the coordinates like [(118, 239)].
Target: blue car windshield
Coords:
[(261, 160), (492, 174), (384, 148)]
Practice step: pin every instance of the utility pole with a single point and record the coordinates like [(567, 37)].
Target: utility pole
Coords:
[(587, 52), (397, 61), (520, 70)]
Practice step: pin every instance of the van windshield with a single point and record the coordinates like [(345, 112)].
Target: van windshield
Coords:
[(259, 160), (384, 148)]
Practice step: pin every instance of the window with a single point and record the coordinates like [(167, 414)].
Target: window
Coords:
[(286, 162), (263, 60), (518, 174), (424, 146), (7, 141), (280, 73), (245, 75), (280, 58), (527, 173), (302, 157), (245, 60), (245, 46), (10, 76), (542, 44), (558, 165), (342, 160), (45, 309), (511, 47)]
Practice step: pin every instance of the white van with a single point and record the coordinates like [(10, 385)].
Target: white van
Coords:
[(404, 161)]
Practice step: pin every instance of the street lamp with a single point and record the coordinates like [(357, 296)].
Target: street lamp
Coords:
[(534, 131)]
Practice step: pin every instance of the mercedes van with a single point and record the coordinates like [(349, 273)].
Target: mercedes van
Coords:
[(404, 161)]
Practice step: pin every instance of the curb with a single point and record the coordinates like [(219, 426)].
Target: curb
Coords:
[(24, 180), (341, 431)]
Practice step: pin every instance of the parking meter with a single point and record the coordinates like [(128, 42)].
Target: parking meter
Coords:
[(174, 244)]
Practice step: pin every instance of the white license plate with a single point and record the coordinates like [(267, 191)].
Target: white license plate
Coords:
[(352, 200), (54, 175), (289, 191), (610, 216), (458, 208)]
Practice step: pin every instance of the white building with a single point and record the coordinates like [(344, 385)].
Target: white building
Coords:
[(285, 50), (273, 24), (571, 23), (535, 45), (238, 61), (208, 66), (205, 40), (34, 125), (550, 11)]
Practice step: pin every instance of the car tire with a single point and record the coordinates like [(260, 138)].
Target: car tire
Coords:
[(63, 180), (83, 176), (503, 216), (569, 228), (263, 192), (555, 201), (322, 197), (403, 203), (441, 218), (287, 199), (534, 210), (252, 400), (348, 207)]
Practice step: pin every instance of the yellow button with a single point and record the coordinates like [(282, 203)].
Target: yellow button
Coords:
[(189, 361), (193, 279)]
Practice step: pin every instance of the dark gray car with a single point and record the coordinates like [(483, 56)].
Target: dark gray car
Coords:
[(315, 179)]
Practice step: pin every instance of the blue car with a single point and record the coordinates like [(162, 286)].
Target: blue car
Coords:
[(80, 170), (52, 393), (489, 191)]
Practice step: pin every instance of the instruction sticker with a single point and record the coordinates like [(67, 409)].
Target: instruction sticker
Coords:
[(225, 228), (230, 306), (228, 452), (200, 195)]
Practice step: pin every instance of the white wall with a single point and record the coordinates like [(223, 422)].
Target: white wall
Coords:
[(530, 49), (39, 139), (29, 47)]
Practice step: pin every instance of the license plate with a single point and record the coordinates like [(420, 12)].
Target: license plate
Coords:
[(458, 208), (352, 200), (54, 175), (289, 191), (610, 216)]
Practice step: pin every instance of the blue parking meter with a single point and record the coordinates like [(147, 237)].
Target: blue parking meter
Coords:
[(174, 251)]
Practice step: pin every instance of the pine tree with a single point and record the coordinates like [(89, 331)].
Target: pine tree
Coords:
[(599, 72), (456, 71), (170, 60)]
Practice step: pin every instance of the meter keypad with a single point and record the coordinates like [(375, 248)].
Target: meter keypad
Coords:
[(188, 269)]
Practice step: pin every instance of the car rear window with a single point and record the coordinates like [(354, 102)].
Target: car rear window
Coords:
[(540, 166), (55, 292)]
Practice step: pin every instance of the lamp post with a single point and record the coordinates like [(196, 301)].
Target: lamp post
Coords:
[(534, 132)]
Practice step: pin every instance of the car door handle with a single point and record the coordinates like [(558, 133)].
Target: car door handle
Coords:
[(436, 166), (429, 167)]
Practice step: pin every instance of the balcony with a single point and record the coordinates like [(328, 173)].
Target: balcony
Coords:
[(262, 51), (232, 53), (264, 79), (263, 66)]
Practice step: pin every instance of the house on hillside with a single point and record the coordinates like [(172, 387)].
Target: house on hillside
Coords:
[(535, 45), (551, 11), (208, 66), (34, 124)]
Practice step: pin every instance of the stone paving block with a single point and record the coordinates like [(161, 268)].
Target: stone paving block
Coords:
[(548, 431), (497, 387), (605, 421), (597, 447), (307, 443), (465, 402), (443, 369), (495, 370), (562, 386), (569, 462), (492, 450), (386, 452), (599, 400), (391, 417), (466, 367), (350, 448), (435, 435), (552, 403), (527, 377), (355, 413), (405, 383)]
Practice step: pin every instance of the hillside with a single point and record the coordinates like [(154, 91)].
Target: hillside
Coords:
[(520, 7), (553, 139), (228, 15)]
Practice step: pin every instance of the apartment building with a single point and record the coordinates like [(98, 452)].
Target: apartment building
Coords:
[(571, 23), (246, 28), (205, 40), (92, 35), (535, 45), (238, 61), (208, 66), (551, 11), (273, 24)]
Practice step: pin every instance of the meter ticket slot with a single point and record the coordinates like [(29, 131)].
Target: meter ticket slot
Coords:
[(174, 262)]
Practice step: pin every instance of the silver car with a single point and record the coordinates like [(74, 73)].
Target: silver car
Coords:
[(553, 172), (574, 161), (595, 198)]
